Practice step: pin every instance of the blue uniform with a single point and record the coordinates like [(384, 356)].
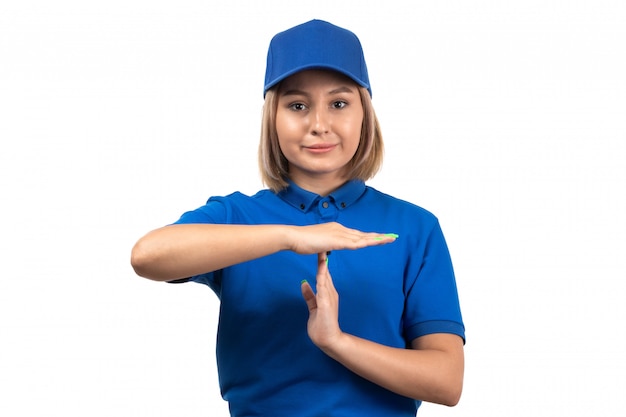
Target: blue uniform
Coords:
[(390, 294)]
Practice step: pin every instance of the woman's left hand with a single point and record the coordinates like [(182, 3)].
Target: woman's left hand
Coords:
[(431, 370), (323, 324)]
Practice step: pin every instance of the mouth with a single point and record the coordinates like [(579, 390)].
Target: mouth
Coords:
[(320, 148)]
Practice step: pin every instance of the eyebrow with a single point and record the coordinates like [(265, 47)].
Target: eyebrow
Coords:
[(296, 92)]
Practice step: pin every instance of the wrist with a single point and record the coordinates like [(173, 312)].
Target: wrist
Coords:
[(285, 237), (337, 345)]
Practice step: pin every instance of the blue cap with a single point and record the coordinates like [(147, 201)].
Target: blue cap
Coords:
[(315, 44)]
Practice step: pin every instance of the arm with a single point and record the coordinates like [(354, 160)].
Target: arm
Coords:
[(185, 250), (432, 370)]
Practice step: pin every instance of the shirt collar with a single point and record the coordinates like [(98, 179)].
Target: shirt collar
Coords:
[(303, 200)]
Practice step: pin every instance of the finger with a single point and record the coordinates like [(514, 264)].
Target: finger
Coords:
[(325, 285), (355, 239), (322, 261), (383, 237), (308, 295), (377, 239), (323, 276)]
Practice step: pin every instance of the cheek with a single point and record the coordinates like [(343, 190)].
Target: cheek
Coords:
[(352, 129), (285, 133), (286, 124)]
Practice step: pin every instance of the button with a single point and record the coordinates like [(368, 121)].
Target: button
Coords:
[(325, 204), (302, 206), (343, 205)]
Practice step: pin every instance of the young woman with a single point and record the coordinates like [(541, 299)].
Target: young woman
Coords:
[(335, 298)]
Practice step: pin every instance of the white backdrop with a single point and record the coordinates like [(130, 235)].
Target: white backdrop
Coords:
[(506, 119)]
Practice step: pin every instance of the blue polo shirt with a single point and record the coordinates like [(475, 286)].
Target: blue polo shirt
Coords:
[(390, 294)]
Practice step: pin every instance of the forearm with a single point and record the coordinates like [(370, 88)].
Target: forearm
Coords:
[(428, 374), (185, 250)]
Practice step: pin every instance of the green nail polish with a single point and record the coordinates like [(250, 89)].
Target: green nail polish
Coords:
[(303, 281), (393, 235)]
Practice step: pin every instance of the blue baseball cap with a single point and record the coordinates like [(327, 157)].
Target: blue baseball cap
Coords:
[(315, 45)]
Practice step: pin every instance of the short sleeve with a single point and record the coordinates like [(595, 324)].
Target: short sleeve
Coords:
[(215, 211), (432, 302)]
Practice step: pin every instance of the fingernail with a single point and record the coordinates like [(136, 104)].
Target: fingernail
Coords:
[(303, 281), (393, 235)]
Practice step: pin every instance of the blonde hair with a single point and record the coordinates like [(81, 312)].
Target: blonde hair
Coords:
[(274, 167)]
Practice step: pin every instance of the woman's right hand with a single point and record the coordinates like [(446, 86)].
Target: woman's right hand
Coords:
[(326, 237)]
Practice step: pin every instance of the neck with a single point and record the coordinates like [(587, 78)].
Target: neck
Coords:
[(322, 187)]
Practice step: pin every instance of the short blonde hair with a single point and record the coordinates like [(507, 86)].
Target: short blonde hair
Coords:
[(274, 166)]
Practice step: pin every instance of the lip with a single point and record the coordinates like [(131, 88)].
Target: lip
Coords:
[(320, 148)]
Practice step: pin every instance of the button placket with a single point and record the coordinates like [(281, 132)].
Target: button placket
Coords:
[(327, 209)]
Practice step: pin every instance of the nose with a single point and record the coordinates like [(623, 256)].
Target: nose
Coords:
[(320, 123)]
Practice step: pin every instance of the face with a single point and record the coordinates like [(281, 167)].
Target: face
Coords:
[(318, 122)]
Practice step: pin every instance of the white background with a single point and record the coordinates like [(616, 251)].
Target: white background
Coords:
[(506, 119)]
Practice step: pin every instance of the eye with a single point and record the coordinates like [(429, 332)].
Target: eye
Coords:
[(339, 104), (297, 106)]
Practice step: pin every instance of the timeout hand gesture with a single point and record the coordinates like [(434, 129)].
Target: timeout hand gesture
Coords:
[(323, 325)]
